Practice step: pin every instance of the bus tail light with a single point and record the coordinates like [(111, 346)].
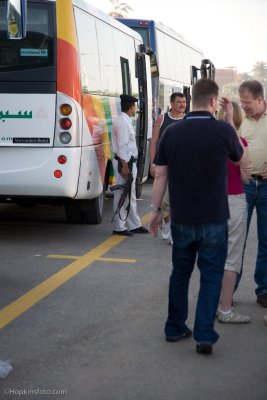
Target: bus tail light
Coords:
[(62, 159), (57, 173), (65, 109), (67, 126), (65, 137), (65, 123)]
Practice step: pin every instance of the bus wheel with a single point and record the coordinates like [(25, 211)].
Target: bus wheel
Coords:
[(95, 210), (73, 211), (85, 211)]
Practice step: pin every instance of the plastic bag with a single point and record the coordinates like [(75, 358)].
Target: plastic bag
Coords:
[(5, 368)]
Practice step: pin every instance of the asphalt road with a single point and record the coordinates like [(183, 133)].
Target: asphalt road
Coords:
[(82, 317)]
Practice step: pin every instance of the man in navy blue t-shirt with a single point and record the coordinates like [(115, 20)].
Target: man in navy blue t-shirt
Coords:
[(193, 156)]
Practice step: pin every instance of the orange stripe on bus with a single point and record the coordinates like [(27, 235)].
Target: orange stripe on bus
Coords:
[(68, 70)]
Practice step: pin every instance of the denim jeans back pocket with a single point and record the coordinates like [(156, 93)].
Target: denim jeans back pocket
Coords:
[(215, 234)]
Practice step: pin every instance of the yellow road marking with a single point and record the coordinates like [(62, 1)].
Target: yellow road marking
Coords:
[(126, 260), (26, 301), (64, 257), (145, 219), (122, 260)]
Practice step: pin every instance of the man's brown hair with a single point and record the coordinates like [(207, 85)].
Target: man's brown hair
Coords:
[(203, 90), (252, 86)]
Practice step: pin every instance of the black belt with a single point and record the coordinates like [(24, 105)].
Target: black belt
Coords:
[(256, 177), (132, 159)]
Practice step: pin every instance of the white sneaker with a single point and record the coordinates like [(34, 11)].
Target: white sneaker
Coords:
[(166, 230), (233, 318)]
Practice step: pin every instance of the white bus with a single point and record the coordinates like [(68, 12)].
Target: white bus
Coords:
[(175, 63), (59, 94)]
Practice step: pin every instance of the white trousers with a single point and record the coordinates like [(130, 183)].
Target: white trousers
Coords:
[(133, 220)]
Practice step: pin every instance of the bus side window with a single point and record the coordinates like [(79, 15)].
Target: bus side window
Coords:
[(125, 72), (89, 56), (108, 67)]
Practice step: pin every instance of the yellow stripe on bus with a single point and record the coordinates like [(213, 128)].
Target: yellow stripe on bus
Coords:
[(65, 22)]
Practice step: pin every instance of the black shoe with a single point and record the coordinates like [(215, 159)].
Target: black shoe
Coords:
[(141, 229), (185, 335), (262, 299), (204, 348), (123, 233)]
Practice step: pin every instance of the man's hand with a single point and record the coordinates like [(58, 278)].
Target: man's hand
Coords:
[(155, 221), (125, 171), (227, 106)]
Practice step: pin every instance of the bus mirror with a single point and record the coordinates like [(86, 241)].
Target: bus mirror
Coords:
[(207, 69), (194, 74), (149, 50), (143, 48), (154, 65), (16, 19)]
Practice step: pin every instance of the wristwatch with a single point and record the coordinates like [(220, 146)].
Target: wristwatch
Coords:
[(155, 209)]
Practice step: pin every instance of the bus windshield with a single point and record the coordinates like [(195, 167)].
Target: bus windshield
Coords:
[(144, 33), (36, 50)]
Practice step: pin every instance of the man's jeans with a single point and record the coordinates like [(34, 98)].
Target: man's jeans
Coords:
[(207, 243), (256, 195)]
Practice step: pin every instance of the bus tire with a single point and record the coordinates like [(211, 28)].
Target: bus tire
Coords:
[(95, 210), (73, 211), (85, 211)]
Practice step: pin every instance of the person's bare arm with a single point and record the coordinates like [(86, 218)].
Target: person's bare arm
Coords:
[(228, 111), (245, 166), (153, 144), (158, 190)]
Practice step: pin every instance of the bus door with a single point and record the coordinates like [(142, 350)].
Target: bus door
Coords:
[(144, 126)]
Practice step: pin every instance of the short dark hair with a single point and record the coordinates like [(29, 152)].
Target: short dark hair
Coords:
[(203, 90), (176, 94), (252, 86), (125, 106)]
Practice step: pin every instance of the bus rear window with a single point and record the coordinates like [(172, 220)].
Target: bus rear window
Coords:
[(37, 49)]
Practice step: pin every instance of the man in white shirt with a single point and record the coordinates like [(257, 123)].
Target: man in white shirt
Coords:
[(125, 155), (254, 129)]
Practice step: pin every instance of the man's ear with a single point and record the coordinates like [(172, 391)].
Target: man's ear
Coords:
[(214, 102)]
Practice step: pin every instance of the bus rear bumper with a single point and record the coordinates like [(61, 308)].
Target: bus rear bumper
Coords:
[(37, 172)]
